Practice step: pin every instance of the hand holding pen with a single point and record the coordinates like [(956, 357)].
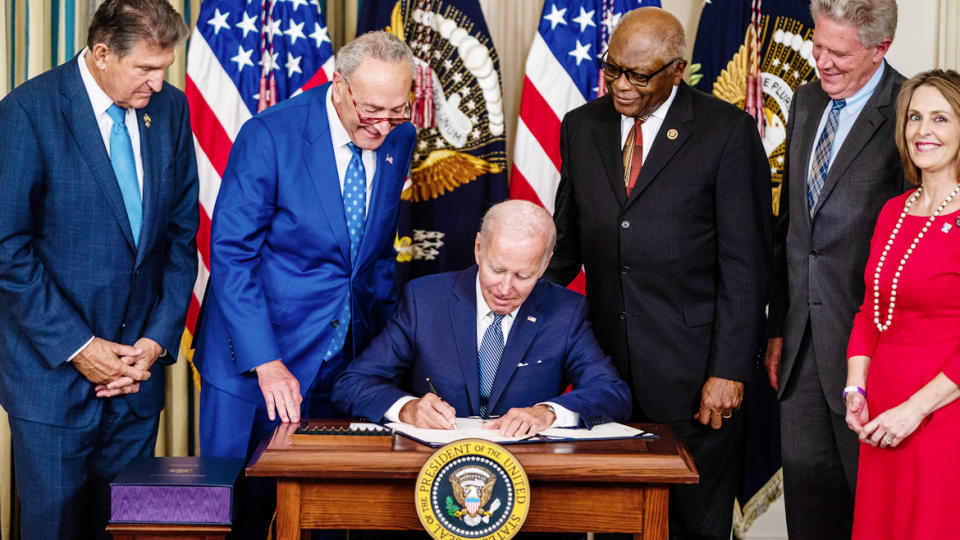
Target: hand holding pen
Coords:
[(430, 411)]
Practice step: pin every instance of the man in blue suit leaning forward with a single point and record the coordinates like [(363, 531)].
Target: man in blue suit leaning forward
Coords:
[(302, 259), (494, 339), (98, 214)]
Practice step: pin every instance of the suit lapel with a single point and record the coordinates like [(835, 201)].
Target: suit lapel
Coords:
[(664, 146), (319, 158), (524, 328), (463, 313), (371, 225), (79, 118), (151, 188), (606, 133), (864, 128)]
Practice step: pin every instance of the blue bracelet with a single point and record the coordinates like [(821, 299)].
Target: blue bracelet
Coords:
[(850, 389)]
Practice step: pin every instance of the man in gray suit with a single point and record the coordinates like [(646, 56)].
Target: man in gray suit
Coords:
[(842, 165)]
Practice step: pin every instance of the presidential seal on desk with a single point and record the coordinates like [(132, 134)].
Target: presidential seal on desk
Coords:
[(472, 489)]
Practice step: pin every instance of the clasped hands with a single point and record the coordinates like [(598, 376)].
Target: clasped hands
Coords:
[(432, 412), (114, 368), (888, 429)]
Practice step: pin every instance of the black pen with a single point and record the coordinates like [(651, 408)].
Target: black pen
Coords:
[(434, 390)]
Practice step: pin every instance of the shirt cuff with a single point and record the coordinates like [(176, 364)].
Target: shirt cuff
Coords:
[(393, 413), (565, 417), (74, 355)]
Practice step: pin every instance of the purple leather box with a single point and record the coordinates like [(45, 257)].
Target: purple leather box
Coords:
[(188, 490)]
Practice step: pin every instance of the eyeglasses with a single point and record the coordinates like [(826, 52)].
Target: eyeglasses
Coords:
[(371, 120), (612, 72)]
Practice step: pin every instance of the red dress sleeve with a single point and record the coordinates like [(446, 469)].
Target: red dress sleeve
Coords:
[(951, 368), (864, 336)]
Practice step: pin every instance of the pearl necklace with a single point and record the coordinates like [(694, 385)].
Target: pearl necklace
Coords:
[(883, 257)]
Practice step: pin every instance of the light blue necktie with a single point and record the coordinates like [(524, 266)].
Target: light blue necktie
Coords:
[(354, 199), (354, 207), (491, 348), (821, 157), (124, 166)]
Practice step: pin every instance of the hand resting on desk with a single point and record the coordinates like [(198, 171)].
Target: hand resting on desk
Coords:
[(523, 422)]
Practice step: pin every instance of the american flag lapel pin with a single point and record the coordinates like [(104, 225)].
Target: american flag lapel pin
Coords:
[(389, 159), (146, 120), (531, 318)]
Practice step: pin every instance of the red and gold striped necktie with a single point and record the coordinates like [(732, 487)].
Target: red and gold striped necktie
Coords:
[(633, 155)]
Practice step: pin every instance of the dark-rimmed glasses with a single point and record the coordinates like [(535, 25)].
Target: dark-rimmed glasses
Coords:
[(612, 72), (371, 120)]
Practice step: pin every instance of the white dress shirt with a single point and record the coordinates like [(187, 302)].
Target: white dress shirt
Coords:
[(564, 416), (650, 128), (100, 102), (342, 153)]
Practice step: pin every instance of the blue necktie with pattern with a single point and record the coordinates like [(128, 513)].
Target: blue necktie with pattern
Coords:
[(355, 199), (354, 207), (491, 347), (125, 168), (821, 157)]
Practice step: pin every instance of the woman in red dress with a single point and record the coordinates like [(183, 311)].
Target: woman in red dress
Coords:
[(903, 365)]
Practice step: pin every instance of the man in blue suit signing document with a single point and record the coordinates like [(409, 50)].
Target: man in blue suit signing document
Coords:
[(495, 341), (98, 214), (301, 248)]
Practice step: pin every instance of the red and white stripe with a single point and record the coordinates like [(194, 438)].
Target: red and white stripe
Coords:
[(548, 94)]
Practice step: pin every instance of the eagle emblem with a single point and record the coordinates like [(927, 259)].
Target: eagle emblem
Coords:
[(443, 171), (472, 487)]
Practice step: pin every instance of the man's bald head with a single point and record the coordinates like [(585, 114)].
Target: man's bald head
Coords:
[(651, 29), (521, 220)]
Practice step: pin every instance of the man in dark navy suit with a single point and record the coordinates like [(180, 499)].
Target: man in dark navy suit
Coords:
[(98, 214), (494, 339)]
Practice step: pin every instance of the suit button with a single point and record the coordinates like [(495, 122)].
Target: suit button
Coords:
[(335, 323), (137, 272), (814, 253), (625, 270), (622, 315), (123, 325), (624, 224)]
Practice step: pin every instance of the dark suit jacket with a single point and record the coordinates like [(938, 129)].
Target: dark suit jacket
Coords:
[(69, 268), (677, 274), (434, 334), (280, 270), (820, 261)]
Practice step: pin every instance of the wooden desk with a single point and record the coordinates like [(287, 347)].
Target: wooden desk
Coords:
[(598, 486)]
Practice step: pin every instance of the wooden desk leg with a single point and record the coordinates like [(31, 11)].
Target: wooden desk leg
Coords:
[(656, 523), (288, 510)]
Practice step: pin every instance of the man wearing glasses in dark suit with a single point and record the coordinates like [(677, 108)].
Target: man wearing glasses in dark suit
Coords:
[(664, 199)]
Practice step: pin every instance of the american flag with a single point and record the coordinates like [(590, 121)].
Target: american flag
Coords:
[(244, 55), (562, 73)]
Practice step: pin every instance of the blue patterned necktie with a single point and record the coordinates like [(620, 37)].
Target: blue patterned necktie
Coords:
[(124, 166), (354, 207), (821, 157), (491, 347), (354, 199)]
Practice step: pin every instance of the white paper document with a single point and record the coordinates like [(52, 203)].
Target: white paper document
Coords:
[(472, 428), (467, 428)]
